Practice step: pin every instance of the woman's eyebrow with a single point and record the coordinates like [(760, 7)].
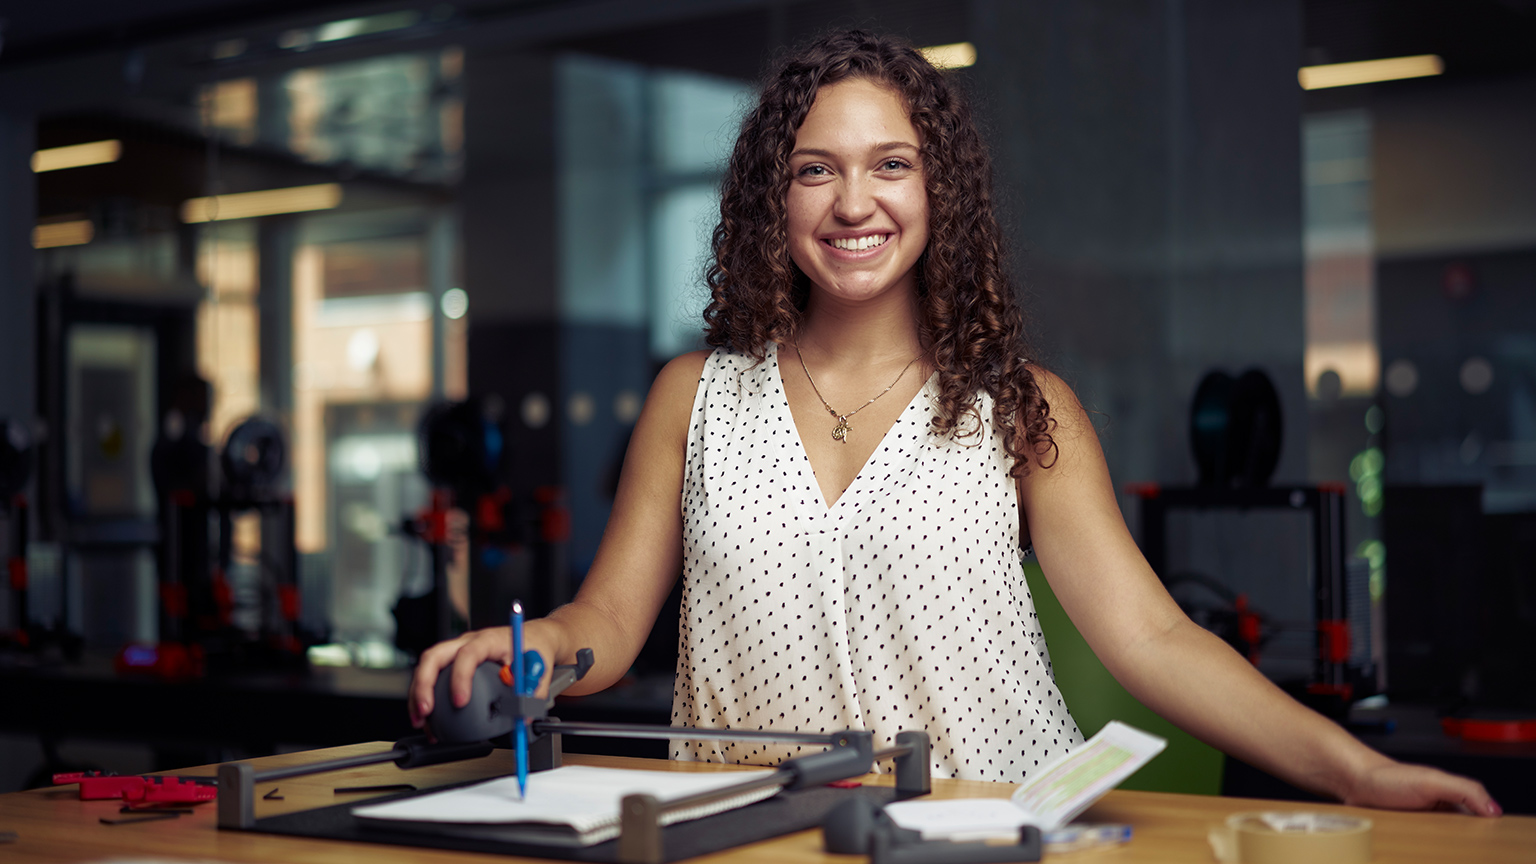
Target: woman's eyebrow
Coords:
[(885, 147)]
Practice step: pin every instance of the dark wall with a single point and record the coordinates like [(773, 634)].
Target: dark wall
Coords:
[(1149, 161)]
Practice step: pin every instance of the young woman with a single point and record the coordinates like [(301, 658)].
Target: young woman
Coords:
[(847, 481)]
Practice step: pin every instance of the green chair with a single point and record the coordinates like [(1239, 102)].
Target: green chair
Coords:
[(1094, 697)]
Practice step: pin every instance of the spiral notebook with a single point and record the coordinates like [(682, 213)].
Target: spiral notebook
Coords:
[(576, 805)]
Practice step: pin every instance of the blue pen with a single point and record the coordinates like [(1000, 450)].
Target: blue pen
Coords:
[(519, 728)]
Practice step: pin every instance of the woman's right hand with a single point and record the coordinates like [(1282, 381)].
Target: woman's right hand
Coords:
[(465, 654)]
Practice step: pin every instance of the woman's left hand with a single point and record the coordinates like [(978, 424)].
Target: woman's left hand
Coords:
[(1397, 786)]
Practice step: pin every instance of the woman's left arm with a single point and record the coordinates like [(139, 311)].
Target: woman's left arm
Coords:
[(1179, 669)]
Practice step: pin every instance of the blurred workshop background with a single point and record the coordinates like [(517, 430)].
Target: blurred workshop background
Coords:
[(325, 324)]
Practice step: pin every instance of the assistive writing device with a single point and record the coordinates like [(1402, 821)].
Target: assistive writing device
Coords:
[(496, 707)]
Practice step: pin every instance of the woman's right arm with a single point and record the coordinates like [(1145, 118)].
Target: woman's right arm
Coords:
[(637, 561)]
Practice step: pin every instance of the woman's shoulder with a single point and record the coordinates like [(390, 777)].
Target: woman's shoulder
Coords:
[(1056, 392), (681, 375), (1067, 421), (670, 402)]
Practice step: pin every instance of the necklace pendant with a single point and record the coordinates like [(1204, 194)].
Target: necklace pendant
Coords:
[(840, 431)]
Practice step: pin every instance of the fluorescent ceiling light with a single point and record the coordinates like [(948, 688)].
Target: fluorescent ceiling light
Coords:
[(348, 28), (1369, 71), (73, 233), (267, 202), (353, 27), (957, 55), (76, 155)]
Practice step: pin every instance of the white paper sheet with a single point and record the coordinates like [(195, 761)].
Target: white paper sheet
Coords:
[(583, 797), (961, 819), (1066, 787)]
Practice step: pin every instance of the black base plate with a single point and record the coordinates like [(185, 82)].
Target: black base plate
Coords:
[(782, 814)]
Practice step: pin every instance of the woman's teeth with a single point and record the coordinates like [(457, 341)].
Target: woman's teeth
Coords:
[(859, 244)]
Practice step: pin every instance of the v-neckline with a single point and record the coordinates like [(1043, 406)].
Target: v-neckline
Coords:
[(789, 417)]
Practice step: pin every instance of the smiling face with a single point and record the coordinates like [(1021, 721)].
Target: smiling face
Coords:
[(857, 203)]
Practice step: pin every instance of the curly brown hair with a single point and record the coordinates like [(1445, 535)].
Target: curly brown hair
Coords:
[(969, 320)]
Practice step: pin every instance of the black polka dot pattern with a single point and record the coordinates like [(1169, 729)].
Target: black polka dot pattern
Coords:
[(903, 606)]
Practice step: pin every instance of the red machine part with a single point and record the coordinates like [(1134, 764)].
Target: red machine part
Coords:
[(96, 786), (169, 660), (173, 599), (1249, 627), (170, 790), (288, 601), (1343, 691), (223, 598), (1333, 640), (554, 518), (490, 510), (434, 519), (1474, 729), (137, 788)]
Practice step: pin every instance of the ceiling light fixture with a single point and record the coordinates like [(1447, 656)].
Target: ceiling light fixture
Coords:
[(76, 155), (76, 232), (957, 55), (267, 202), (303, 39), (351, 28), (1369, 71)]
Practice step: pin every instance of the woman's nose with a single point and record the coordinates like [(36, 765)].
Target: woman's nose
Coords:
[(855, 200)]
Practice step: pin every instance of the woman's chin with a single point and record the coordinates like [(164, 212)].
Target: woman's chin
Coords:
[(862, 291)]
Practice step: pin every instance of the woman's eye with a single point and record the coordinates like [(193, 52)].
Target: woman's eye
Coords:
[(813, 171), (893, 165)]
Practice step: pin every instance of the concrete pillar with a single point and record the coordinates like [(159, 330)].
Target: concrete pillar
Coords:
[(605, 357), (552, 208), (507, 204), (442, 258), (276, 243), (18, 293), (507, 207)]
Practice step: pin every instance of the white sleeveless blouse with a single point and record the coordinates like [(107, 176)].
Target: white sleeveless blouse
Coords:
[(903, 606)]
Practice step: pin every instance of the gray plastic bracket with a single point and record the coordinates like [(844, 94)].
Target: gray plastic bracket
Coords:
[(640, 830), (544, 752), (237, 796), (914, 773)]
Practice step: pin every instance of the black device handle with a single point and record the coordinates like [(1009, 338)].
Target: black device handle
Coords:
[(852, 754), (418, 751)]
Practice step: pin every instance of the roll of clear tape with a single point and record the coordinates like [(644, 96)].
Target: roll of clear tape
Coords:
[(1275, 837)]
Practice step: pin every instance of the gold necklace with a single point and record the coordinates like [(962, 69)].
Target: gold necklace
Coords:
[(841, 430)]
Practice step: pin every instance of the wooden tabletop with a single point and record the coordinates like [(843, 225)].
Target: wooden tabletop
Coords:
[(52, 825)]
